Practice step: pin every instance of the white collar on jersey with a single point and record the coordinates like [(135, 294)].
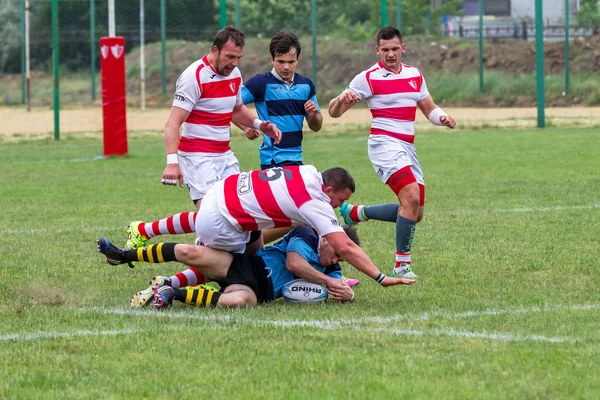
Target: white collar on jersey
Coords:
[(276, 75)]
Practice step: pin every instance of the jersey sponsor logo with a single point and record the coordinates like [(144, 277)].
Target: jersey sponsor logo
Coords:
[(335, 222), (179, 97), (387, 74), (413, 84), (232, 86), (212, 76), (244, 184), (380, 172)]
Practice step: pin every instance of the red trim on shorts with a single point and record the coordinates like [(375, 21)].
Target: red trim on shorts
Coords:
[(197, 145), (422, 195), (400, 179), (234, 206), (297, 187), (267, 202), (405, 137)]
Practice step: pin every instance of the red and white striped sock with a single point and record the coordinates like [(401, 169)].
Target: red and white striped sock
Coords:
[(402, 258), (189, 277), (179, 223), (356, 214)]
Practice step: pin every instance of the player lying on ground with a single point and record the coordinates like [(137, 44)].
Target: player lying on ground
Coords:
[(278, 197), (246, 280)]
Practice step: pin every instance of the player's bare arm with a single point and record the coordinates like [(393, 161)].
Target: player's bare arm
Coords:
[(314, 118), (172, 173), (435, 114), (342, 103), (298, 266), (250, 132), (353, 254), (243, 116)]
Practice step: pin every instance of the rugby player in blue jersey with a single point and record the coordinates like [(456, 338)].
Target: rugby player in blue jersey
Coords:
[(245, 280), (284, 98)]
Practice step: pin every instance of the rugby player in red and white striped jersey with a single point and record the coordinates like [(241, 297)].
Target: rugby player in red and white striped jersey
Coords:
[(207, 99), (393, 91), (245, 203)]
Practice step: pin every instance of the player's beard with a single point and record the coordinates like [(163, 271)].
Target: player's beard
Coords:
[(220, 69)]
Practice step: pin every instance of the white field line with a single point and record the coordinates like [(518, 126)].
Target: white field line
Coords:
[(101, 229), (355, 322), (59, 161), (517, 210), (22, 337), (503, 337)]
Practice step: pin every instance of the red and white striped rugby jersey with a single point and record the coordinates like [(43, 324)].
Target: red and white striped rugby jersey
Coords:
[(392, 99), (277, 197), (210, 99)]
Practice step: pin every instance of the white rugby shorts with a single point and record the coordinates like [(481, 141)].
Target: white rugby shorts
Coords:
[(389, 155), (200, 173), (214, 230)]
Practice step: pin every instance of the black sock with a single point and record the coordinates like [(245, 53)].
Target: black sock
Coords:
[(154, 253), (198, 297)]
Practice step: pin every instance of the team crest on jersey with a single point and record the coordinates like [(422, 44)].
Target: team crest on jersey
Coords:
[(232, 86), (413, 83)]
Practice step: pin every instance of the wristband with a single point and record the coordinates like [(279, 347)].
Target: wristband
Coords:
[(380, 278), (257, 123), (172, 158), (434, 116)]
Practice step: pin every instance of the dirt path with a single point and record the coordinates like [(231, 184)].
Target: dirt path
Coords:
[(17, 121)]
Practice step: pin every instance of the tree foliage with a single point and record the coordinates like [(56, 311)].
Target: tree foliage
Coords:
[(10, 45), (588, 14)]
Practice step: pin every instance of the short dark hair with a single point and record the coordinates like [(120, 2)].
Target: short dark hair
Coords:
[(283, 42), (387, 33), (229, 33), (339, 179), (352, 234)]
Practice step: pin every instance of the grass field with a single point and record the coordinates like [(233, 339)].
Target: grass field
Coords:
[(507, 304)]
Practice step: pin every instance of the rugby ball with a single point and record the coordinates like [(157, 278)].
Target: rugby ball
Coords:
[(301, 291)]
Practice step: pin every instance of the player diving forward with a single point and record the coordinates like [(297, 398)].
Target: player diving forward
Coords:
[(278, 197), (246, 280)]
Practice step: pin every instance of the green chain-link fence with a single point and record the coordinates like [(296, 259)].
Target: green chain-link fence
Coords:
[(344, 41)]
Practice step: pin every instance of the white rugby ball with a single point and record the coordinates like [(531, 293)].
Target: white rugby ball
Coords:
[(301, 291)]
